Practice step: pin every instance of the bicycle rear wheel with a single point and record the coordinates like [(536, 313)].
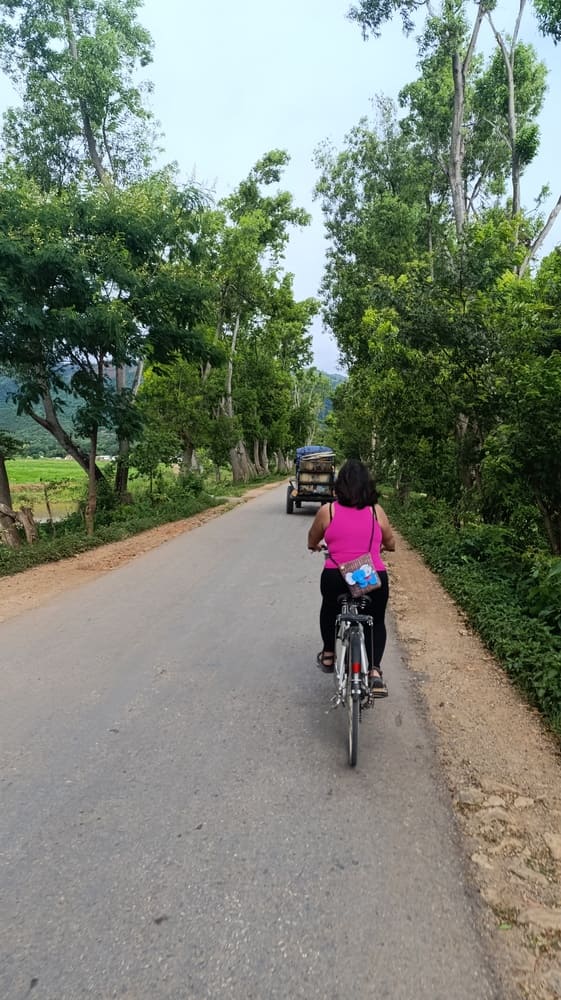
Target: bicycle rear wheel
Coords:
[(353, 698)]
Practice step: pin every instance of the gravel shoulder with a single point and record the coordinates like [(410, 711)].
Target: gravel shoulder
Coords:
[(503, 769), (501, 764)]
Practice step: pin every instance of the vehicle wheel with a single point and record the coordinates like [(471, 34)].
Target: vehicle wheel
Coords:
[(289, 501), (353, 701)]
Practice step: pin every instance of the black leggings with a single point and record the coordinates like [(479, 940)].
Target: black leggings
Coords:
[(332, 585)]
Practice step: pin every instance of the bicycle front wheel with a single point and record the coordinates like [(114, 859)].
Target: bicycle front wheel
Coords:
[(353, 699)]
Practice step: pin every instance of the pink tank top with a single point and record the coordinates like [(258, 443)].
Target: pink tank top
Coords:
[(348, 535)]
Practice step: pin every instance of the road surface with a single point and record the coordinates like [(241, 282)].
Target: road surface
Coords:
[(178, 818)]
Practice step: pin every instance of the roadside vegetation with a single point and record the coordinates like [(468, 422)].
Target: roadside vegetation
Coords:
[(140, 316), (509, 590), (61, 531), (447, 314)]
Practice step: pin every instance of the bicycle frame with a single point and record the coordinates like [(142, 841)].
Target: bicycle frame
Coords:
[(354, 683)]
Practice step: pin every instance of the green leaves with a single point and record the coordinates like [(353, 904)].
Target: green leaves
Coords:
[(509, 593), (373, 14), (75, 66), (549, 17)]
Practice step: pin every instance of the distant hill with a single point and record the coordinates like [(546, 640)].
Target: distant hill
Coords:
[(36, 440), (39, 442), (335, 381)]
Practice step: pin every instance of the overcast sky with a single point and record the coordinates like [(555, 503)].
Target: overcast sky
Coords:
[(235, 79)]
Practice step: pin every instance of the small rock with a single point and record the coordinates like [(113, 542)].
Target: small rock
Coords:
[(494, 800), (553, 841), (544, 917), (470, 797), (522, 802)]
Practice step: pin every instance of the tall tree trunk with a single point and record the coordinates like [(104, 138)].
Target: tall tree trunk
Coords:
[(228, 403), (282, 463), (239, 469), (91, 504), (187, 458), (430, 236), (508, 59), (242, 468), (460, 69), (23, 517), (257, 458), (8, 531), (88, 134), (456, 161), (552, 525), (50, 423), (124, 447), (264, 457)]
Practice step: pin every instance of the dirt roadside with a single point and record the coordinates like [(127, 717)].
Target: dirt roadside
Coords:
[(502, 766)]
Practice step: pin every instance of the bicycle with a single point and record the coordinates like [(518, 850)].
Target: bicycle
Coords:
[(351, 666)]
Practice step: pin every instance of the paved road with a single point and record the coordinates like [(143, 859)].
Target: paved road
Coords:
[(178, 819)]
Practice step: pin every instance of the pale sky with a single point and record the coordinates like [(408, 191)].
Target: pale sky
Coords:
[(233, 80)]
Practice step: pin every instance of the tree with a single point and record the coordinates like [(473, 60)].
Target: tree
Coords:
[(90, 282), (449, 37), (9, 447), (82, 117), (81, 113), (242, 249)]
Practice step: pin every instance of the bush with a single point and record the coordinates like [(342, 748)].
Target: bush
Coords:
[(112, 525), (511, 597)]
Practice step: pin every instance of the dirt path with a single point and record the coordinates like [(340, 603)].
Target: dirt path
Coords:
[(501, 764)]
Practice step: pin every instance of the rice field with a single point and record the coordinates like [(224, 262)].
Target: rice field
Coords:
[(30, 471)]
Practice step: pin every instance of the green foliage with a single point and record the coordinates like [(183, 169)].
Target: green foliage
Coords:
[(549, 17), (82, 112), (111, 526), (511, 595), (9, 445)]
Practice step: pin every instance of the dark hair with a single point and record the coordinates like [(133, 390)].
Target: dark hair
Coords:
[(354, 486)]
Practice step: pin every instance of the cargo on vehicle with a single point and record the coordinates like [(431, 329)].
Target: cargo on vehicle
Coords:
[(314, 480)]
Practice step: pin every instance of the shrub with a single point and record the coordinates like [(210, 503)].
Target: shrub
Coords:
[(510, 596)]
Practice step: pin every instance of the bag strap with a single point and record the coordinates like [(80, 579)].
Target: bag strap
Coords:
[(372, 532)]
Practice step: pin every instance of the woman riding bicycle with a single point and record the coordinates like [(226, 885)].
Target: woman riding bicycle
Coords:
[(346, 527)]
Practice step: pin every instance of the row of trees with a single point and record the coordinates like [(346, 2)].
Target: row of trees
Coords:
[(167, 317), (450, 331)]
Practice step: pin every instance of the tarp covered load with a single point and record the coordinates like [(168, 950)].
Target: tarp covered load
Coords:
[(323, 453)]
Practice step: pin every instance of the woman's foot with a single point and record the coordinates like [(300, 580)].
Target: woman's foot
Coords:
[(326, 661), (377, 683)]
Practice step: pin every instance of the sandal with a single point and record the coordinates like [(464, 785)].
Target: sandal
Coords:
[(326, 661), (377, 684)]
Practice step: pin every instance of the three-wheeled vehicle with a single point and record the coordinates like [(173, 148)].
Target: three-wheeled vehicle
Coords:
[(314, 481)]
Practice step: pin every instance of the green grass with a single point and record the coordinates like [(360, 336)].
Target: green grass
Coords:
[(27, 471)]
